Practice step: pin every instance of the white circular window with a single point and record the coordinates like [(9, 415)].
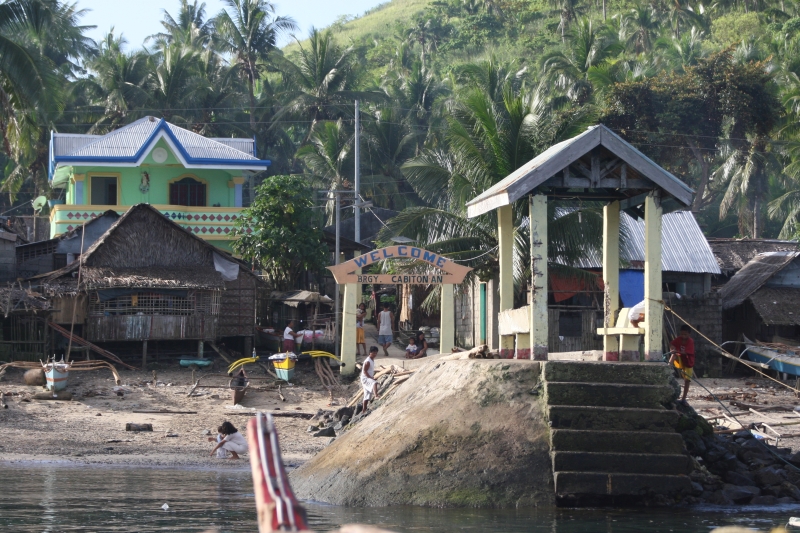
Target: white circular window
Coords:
[(159, 155)]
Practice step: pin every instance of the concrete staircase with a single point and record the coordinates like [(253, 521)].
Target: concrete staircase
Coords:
[(612, 440)]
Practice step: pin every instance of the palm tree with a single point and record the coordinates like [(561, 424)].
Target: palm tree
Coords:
[(568, 11), (249, 30), (190, 28), (683, 52), (116, 85), (486, 141), (320, 80), (640, 26), (390, 142), (744, 174), (327, 156), (588, 46)]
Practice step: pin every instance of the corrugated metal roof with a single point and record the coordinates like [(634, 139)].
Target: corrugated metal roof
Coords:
[(684, 248), (127, 142), (66, 143)]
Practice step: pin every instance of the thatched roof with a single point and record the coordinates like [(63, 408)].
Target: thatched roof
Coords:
[(753, 276), (141, 249), (16, 300), (777, 306), (733, 254)]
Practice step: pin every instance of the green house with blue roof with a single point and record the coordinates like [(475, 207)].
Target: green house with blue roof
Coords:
[(196, 181)]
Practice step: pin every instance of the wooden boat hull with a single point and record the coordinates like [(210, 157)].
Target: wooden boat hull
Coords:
[(788, 364), (56, 378), (277, 506)]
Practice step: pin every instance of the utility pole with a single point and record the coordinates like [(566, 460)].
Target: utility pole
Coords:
[(336, 262), (358, 175)]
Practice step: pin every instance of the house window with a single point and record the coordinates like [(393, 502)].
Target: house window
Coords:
[(104, 190), (187, 191)]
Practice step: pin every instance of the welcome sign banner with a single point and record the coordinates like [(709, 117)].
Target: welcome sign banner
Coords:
[(450, 272)]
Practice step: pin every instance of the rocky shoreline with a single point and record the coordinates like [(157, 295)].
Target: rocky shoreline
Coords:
[(737, 468)]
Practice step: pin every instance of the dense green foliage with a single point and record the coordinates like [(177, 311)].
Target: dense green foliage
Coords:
[(455, 94), (279, 232)]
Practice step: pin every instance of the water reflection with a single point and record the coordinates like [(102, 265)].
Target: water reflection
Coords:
[(55, 499)]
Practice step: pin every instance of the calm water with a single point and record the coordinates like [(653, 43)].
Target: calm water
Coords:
[(55, 499)]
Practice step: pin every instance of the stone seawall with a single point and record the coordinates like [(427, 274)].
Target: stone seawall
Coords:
[(458, 433)]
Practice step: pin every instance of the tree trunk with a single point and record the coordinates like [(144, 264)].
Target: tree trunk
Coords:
[(757, 223), (251, 75), (705, 171), (604, 10)]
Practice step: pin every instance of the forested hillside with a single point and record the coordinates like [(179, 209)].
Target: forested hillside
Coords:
[(455, 95)]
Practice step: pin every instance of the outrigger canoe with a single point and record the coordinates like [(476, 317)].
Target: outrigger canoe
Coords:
[(277, 506), (783, 360)]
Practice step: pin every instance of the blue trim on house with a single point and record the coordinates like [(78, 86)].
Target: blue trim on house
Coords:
[(162, 125)]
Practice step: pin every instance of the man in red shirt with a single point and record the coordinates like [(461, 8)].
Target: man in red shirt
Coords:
[(683, 358)]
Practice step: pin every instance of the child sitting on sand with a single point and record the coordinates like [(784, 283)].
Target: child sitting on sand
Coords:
[(411, 349)]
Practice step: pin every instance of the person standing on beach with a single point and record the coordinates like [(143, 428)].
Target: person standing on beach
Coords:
[(368, 379), (683, 358), (361, 314), (289, 335), (385, 321)]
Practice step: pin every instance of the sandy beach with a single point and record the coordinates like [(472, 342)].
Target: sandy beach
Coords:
[(90, 429)]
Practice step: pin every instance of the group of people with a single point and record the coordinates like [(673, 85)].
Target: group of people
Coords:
[(417, 345)]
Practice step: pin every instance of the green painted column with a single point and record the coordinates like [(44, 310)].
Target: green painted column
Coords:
[(447, 328)]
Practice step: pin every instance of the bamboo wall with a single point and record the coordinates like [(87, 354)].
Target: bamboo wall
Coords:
[(586, 338), (150, 327), (238, 303)]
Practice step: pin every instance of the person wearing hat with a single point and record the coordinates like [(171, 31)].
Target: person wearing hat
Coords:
[(368, 379)]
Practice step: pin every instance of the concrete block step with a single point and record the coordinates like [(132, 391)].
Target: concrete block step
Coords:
[(602, 484), (653, 442), (609, 394), (621, 463), (607, 372), (611, 418)]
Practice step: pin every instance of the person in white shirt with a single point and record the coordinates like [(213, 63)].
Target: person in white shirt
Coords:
[(230, 440), (368, 382), (636, 314), (289, 335), (385, 322)]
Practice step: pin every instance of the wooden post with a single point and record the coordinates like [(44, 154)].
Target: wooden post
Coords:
[(611, 278), (537, 210), (144, 355), (447, 328), (505, 237), (248, 346), (654, 306), (348, 346), (200, 349)]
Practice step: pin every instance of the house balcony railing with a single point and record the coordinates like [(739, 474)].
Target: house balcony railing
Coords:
[(211, 223)]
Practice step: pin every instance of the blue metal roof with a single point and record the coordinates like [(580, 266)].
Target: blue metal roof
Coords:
[(130, 144)]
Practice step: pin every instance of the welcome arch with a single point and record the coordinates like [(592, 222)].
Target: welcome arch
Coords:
[(349, 274)]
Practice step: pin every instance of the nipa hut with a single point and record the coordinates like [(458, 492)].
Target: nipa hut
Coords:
[(23, 329), (148, 279), (762, 300)]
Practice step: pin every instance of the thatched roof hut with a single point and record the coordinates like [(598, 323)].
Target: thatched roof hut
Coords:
[(142, 249), (762, 300), (733, 254)]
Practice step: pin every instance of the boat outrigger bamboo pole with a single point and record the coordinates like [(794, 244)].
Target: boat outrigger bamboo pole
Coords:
[(77, 295)]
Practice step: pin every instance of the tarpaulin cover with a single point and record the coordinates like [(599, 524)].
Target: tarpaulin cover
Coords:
[(631, 287), (228, 269), (565, 288)]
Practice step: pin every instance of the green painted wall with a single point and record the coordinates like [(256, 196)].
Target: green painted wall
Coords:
[(217, 192)]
